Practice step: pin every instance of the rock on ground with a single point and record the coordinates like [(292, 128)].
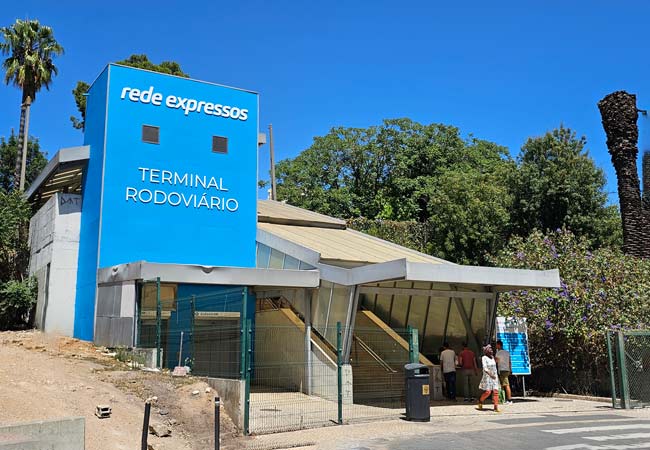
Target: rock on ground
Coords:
[(48, 377)]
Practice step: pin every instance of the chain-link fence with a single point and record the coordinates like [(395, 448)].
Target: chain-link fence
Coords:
[(629, 362)]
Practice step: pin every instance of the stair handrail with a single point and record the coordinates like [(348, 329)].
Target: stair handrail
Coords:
[(374, 355)]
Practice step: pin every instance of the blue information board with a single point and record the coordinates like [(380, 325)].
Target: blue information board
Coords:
[(513, 331)]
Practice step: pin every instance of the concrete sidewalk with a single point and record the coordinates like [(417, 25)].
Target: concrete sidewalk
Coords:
[(448, 417)]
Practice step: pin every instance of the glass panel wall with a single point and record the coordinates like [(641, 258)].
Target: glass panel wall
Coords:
[(263, 255), (277, 259), (479, 319), (291, 263), (436, 318), (338, 311), (399, 311), (417, 313), (268, 258), (382, 307), (433, 339), (321, 308), (456, 332)]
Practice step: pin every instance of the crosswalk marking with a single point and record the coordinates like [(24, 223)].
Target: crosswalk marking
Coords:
[(602, 428), (618, 437), (601, 447)]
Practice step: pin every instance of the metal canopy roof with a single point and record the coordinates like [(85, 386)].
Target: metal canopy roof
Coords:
[(344, 246), (63, 173), (187, 273)]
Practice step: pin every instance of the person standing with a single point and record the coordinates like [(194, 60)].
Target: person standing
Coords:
[(490, 381), (468, 367), (448, 366), (505, 369)]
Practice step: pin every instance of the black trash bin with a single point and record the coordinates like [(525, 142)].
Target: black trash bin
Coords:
[(417, 392)]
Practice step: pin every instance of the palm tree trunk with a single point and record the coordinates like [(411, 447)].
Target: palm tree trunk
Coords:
[(23, 162), (645, 173), (19, 152), (619, 115)]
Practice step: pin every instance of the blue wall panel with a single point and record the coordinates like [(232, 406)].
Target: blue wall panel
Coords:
[(208, 298), (176, 201), (149, 212), (90, 210)]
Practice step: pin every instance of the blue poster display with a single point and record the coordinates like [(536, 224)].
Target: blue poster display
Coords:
[(513, 331)]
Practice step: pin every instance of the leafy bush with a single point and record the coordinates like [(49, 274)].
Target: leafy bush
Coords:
[(17, 291), (600, 290), (17, 299)]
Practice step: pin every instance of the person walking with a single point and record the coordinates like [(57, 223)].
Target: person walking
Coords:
[(490, 381), (468, 367), (505, 369), (448, 367)]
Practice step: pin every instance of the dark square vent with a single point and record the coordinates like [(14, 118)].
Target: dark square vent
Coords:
[(150, 134), (219, 144)]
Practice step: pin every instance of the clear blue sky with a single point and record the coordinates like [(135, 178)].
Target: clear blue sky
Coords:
[(502, 71)]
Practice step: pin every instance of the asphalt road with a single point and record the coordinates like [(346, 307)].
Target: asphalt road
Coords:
[(606, 431)]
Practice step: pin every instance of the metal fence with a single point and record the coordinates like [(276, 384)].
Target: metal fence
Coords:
[(299, 380), (629, 364), (292, 376)]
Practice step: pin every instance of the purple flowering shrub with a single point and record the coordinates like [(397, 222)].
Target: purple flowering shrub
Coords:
[(600, 290)]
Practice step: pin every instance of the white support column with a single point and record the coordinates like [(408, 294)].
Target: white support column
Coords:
[(351, 318), (310, 295)]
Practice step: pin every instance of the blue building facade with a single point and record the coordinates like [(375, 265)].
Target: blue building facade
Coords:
[(171, 177)]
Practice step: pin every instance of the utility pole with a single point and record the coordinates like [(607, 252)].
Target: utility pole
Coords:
[(273, 195)]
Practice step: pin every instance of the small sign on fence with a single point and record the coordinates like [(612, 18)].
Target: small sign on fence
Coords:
[(513, 331)]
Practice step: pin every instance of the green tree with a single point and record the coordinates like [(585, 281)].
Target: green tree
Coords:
[(600, 289), (469, 213), (17, 290), (383, 171), (407, 172), (79, 93), (31, 49), (139, 61), (142, 62), (36, 161), (557, 184)]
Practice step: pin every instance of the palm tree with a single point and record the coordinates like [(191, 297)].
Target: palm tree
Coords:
[(619, 114), (30, 48)]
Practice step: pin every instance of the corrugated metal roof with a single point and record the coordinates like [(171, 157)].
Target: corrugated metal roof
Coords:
[(270, 211), (345, 245)]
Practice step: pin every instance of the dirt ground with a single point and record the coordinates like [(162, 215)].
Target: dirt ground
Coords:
[(46, 377)]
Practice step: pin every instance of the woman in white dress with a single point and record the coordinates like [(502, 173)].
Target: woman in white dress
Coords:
[(490, 381)]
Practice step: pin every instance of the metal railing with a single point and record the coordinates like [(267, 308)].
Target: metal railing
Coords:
[(374, 355)]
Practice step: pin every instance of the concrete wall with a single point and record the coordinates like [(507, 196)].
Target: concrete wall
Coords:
[(232, 394), (115, 310), (58, 434), (54, 241)]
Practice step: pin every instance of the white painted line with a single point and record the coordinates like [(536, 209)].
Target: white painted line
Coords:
[(603, 428), (618, 437), (601, 447)]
